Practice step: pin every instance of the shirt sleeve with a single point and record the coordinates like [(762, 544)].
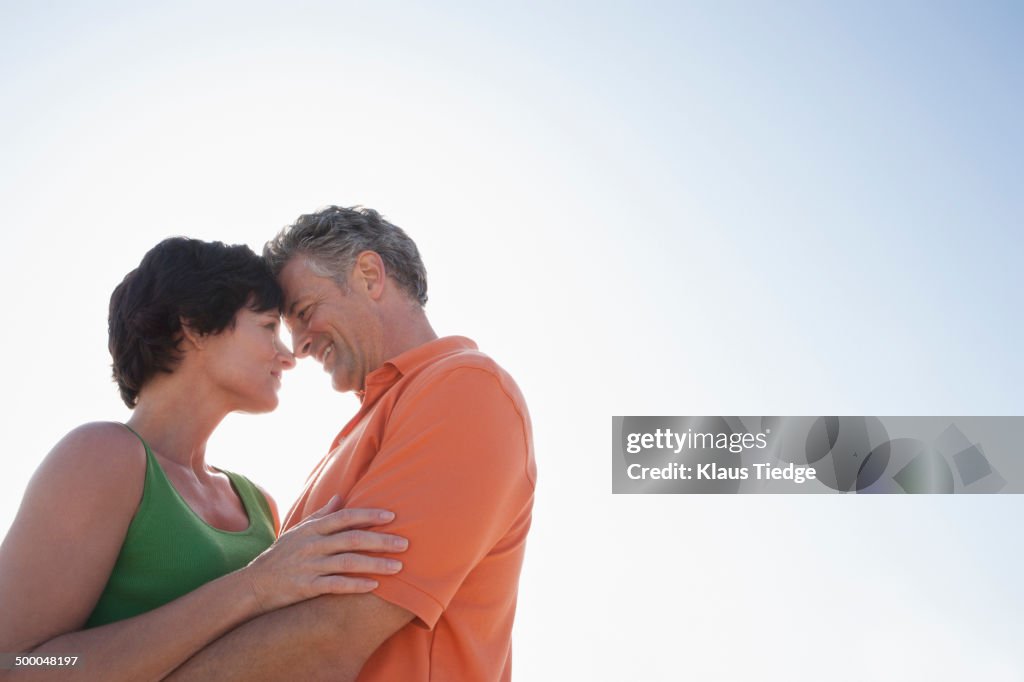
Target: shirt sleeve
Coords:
[(455, 465)]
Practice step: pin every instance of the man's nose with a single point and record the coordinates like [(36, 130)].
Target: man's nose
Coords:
[(301, 344)]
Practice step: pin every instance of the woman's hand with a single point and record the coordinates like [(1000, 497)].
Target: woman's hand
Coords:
[(316, 556)]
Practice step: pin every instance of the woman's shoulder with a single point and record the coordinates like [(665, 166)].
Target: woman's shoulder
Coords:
[(79, 504), (96, 456)]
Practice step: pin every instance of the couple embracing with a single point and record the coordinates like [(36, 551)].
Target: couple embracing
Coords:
[(399, 561)]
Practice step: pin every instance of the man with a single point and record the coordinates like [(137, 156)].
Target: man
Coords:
[(442, 438)]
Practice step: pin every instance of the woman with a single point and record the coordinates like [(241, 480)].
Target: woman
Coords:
[(129, 551)]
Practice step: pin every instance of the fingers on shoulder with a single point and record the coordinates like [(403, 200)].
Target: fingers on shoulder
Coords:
[(350, 518)]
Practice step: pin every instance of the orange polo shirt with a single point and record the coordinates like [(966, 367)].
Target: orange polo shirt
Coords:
[(443, 439)]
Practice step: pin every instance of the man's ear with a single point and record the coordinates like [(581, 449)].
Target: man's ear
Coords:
[(369, 273), (190, 336)]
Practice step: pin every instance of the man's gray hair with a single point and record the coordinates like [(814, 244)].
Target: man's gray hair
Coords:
[(333, 237)]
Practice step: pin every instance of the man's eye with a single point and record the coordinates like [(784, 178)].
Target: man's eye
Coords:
[(302, 314)]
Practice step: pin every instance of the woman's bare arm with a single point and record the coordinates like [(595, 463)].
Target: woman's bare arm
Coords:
[(58, 555)]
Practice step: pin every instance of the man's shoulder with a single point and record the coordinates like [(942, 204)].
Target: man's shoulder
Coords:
[(463, 361), (464, 357)]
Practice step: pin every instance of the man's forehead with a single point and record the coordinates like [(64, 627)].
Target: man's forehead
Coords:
[(302, 282), (295, 279)]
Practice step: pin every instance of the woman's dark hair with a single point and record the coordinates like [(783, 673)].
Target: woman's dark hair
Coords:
[(203, 284)]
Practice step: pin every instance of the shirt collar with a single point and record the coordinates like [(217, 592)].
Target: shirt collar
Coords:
[(385, 376)]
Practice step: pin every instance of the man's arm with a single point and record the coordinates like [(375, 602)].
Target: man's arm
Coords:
[(468, 427), (326, 638)]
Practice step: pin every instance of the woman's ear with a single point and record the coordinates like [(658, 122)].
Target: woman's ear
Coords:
[(190, 335)]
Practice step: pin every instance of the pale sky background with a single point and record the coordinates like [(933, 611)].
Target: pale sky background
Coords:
[(696, 208)]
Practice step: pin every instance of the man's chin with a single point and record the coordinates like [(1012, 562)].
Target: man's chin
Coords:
[(339, 384)]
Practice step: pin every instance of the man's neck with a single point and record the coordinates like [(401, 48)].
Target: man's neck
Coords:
[(403, 332)]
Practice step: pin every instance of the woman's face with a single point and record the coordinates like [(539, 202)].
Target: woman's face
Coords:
[(246, 361)]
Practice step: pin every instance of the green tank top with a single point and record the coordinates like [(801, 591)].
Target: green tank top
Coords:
[(169, 551)]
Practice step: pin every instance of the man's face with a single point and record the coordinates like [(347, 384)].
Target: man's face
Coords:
[(338, 328)]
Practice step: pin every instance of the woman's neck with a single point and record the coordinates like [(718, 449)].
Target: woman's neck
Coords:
[(176, 424)]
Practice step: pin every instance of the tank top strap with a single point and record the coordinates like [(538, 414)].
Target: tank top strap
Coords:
[(169, 550), (253, 500), (149, 453), (251, 496), (157, 490)]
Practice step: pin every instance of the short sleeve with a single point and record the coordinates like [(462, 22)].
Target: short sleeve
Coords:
[(455, 465)]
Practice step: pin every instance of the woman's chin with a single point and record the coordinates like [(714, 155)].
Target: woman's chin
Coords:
[(262, 407)]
